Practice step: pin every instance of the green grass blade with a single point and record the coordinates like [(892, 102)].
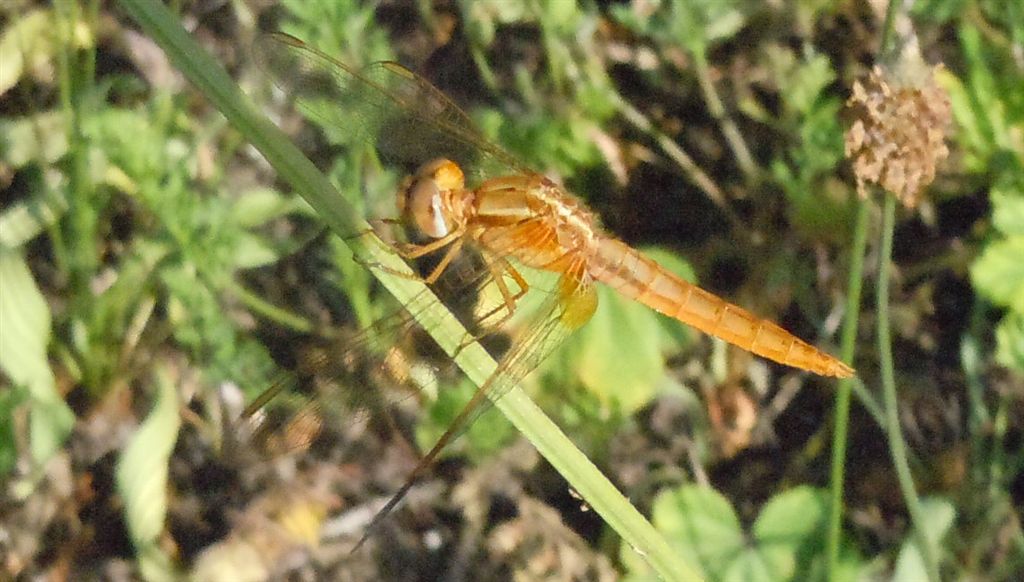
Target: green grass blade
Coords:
[(208, 76)]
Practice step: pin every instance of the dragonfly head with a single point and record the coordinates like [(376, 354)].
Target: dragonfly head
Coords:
[(430, 198)]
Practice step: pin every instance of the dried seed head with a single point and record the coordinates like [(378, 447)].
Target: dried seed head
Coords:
[(898, 137)]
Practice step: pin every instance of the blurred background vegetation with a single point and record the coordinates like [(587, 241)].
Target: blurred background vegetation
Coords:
[(154, 272)]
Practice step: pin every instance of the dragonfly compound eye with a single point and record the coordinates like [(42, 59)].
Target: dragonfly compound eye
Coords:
[(427, 197), (426, 208)]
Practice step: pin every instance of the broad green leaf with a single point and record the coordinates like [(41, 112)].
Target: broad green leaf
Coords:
[(749, 565), (618, 353), (791, 523), (783, 544), (938, 515), (1008, 208), (701, 524), (489, 431), (142, 469), (998, 273), (30, 36), (24, 335)]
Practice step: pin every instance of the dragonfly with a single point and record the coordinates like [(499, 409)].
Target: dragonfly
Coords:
[(464, 196)]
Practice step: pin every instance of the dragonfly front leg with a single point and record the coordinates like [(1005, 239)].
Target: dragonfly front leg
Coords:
[(450, 254), (454, 240)]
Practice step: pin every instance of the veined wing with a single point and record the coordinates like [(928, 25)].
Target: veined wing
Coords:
[(342, 380), (347, 379), (385, 104), (564, 311)]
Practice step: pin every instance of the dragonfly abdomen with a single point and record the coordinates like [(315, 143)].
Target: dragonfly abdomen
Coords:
[(639, 278)]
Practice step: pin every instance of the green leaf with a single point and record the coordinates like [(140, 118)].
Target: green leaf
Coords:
[(487, 434), (25, 325), (998, 273), (30, 36), (786, 538), (617, 355), (699, 23), (938, 514), (142, 469), (1008, 208), (36, 138), (701, 524), (791, 524), (748, 566), (259, 206), (801, 81), (1010, 341), (252, 251)]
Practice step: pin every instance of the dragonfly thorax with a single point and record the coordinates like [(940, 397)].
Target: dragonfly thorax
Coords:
[(432, 199)]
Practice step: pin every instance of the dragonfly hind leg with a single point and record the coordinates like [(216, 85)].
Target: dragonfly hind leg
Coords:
[(499, 269)]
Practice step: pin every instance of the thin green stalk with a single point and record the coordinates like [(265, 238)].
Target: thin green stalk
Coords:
[(682, 159), (72, 248), (897, 447), (209, 77), (732, 134), (845, 388), (77, 71), (280, 316)]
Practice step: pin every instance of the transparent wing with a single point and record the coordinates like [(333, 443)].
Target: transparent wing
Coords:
[(349, 379), (563, 312), (385, 104)]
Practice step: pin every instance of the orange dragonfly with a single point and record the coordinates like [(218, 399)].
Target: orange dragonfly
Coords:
[(466, 196)]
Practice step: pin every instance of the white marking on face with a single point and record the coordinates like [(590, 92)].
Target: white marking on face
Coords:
[(436, 211)]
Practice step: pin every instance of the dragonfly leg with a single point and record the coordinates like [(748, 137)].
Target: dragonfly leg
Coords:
[(449, 255), (414, 251), (374, 235), (509, 299), (508, 305)]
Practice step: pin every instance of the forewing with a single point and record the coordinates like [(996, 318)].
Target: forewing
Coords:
[(386, 105)]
